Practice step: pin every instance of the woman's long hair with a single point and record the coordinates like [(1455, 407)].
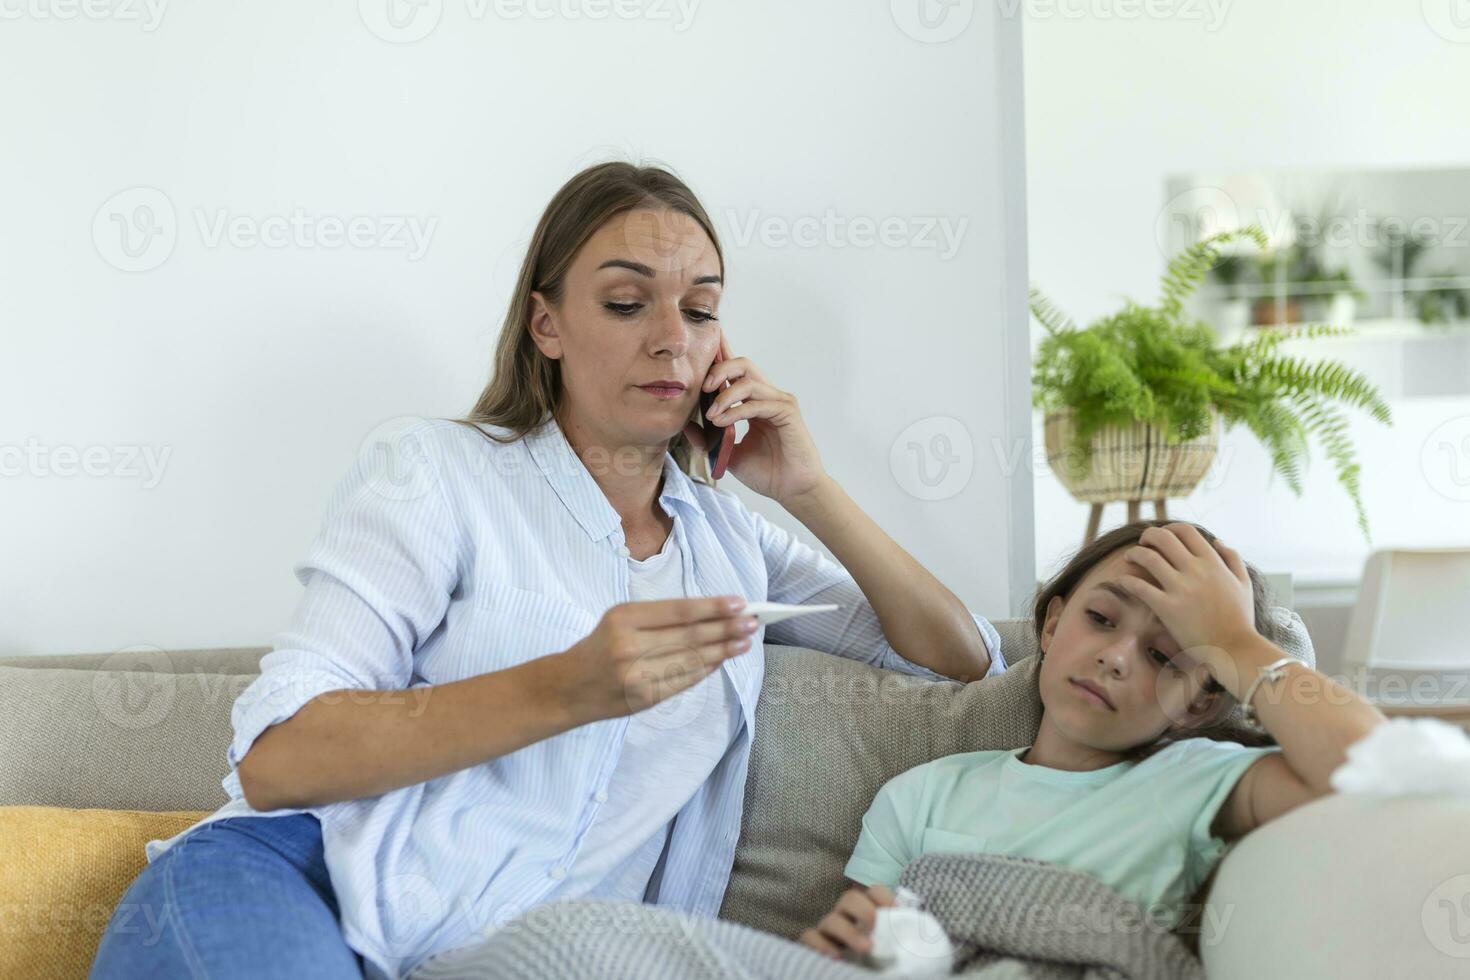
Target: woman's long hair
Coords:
[(526, 387)]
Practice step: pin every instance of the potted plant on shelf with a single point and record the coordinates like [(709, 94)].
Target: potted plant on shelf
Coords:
[(1330, 296), (1276, 301), (1233, 314), (1294, 285), (1442, 302), (1439, 300), (1134, 402), (1328, 293)]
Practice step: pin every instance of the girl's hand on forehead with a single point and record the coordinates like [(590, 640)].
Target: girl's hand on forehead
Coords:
[(1203, 596)]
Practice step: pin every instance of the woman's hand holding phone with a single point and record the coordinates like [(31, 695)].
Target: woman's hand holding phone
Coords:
[(849, 925), (641, 653), (777, 458)]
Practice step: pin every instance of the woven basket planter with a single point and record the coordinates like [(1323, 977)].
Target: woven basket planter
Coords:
[(1128, 464)]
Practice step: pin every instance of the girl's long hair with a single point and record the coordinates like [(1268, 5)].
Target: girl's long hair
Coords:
[(1065, 582), (525, 386)]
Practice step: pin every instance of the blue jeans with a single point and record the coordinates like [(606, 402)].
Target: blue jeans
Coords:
[(239, 897)]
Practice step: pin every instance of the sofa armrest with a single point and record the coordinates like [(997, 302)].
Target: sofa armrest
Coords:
[(1346, 886)]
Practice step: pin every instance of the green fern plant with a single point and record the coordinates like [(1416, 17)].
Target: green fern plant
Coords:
[(1159, 366)]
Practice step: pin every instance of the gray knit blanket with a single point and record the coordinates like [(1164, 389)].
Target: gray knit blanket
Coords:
[(1007, 918)]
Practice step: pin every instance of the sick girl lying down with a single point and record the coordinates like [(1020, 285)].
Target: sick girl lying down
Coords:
[(1150, 636)]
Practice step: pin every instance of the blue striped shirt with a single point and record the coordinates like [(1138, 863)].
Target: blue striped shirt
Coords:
[(442, 555)]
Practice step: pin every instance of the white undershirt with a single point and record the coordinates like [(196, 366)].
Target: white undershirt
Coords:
[(670, 750)]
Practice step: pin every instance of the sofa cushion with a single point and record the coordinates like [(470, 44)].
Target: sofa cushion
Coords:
[(829, 734), (122, 740), (62, 873)]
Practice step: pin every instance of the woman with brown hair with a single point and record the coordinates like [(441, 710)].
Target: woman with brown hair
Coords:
[(520, 671)]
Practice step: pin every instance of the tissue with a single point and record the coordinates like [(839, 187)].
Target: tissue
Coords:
[(909, 942), (1407, 756)]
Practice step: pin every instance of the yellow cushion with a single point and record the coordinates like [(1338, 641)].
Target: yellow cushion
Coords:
[(62, 873)]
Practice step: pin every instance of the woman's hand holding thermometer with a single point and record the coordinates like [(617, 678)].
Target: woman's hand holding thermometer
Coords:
[(644, 652), (641, 653)]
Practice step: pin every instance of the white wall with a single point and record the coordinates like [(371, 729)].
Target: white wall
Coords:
[(253, 373), (1115, 105)]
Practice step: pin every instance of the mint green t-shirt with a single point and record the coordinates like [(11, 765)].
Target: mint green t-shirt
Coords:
[(1143, 828)]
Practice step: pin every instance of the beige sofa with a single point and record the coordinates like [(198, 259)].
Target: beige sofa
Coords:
[(1344, 887)]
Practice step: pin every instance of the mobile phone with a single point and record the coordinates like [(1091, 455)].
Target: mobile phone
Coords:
[(719, 440)]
